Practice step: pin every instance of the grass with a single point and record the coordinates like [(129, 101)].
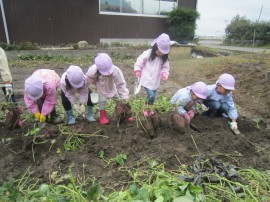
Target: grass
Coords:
[(149, 181)]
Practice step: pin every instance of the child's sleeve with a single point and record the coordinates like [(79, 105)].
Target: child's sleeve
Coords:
[(91, 75), (50, 99), (165, 68), (179, 101), (121, 85), (141, 61), (30, 104), (233, 114)]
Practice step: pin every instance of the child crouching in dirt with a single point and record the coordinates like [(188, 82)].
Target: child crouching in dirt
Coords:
[(219, 99), (6, 78), (40, 94), (109, 82), (185, 98), (13, 111), (153, 65), (74, 86)]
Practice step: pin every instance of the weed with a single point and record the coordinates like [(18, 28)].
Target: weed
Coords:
[(257, 121)]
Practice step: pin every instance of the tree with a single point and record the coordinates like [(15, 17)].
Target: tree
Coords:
[(242, 30), (182, 23)]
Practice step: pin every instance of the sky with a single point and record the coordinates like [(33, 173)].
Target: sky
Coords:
[(216, 14)]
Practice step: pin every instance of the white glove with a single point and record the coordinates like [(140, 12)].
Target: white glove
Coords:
[(9, 89), (233, 125)]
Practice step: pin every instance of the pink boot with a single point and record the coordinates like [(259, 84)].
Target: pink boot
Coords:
[(103, 119), (145, 113)]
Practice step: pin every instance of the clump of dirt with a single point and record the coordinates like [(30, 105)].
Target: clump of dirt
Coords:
[(123, 112), (12, 114)]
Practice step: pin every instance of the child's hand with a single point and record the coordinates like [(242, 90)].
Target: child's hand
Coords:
[(191, 114), (138, 73), (186, 116), (42, 118), (37, 116), (233, 125), (164, 76)]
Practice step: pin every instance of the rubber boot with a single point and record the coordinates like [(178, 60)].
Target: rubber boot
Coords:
[(71, 118), (89, 115), (103, 118), (55, 119)]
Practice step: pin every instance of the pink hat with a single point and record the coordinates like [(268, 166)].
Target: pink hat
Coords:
[(200, 89), (34, 87), (227, 81), (75, 76), (104, 64), (163, 43)]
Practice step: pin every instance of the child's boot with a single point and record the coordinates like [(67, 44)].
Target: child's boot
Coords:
[(71, 118), (55, 119), (89, 115), (103, 119)]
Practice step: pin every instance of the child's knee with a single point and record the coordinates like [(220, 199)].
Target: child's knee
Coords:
[(214, 105)]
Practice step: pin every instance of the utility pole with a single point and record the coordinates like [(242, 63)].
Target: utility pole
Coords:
[(4, 20), (253, 42)]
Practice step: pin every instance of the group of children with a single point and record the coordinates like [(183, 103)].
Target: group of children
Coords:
[(151, 67), (217, 99), (41, 90)]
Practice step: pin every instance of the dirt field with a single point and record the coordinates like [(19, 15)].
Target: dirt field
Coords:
[(251, 149)]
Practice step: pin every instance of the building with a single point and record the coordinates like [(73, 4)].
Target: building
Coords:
[(69, 21)]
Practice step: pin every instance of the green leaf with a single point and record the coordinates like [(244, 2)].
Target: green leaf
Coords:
[(134, 190), (159, 199), (101, 154), (93, 192), (120, 159), (153, 163), (167, 194), (184, 187), (195, 189), (143, 194), (183, 199)]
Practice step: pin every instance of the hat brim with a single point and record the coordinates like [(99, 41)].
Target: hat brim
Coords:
[(228, 88), (200, 96), (225, 87), (36, 97), (107, 73), (164, 52), (79, 85)]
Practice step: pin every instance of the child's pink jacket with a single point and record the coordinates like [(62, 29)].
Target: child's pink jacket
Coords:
[(51, 82)]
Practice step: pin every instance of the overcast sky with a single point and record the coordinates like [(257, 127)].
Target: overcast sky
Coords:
[(214, 14)]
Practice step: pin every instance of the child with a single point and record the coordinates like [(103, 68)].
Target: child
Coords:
[(109, 82), (6, 78), (153, 65), (220, 99), (185, 99), (40, 94), (73, 85)]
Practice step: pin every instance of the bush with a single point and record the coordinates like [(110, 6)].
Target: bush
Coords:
[(20, 46), (182, 24)]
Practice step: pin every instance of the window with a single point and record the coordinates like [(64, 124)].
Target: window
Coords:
[(137, 7)]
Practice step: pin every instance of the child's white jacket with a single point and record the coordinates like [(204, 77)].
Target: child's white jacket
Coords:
[(181, 98), (151, 70), (108, 86)]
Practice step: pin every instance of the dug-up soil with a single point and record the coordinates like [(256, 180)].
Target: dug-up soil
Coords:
[(248, 150)]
